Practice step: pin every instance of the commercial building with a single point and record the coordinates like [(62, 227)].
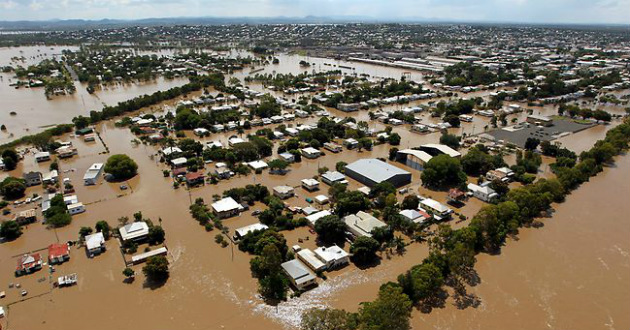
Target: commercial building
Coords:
[(372, 171)]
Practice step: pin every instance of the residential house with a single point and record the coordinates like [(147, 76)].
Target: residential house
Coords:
[(332, 177), (226, 207), (310, 184), (283, 192), (332, 256), (58, 253), (28, 263), (362, 224), (482, 192), (308, 257), (32, 178), (95, 244), (136, 231), (298, 274), (310, 153)]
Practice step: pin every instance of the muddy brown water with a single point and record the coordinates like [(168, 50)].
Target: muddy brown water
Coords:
[(571, 274)]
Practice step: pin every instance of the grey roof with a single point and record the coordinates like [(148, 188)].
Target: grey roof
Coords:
[(333, 176), (295, 269), (375, 170)]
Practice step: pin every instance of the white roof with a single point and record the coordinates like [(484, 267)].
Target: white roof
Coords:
[(226, 204), (363, 223), (310, 182), (423, 156), (75, 205), (410, 214), (316, 216), (431, 203), (250, 228), (235, 140), (331, 253), (94, 241), (443, 149), (134, 230), (179, 161), (258, 164), (283, 189), (321, 198), (169, 150), (147, 255), (310, 150), (310, 259)]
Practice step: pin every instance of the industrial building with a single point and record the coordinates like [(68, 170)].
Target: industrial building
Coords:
[(372, 171)]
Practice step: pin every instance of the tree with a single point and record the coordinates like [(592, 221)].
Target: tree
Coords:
[(422, 281), (60, 219), (10, 230), (410, 202), (156, 235), (443, 171), (531, 143), (278, 164), (84, 231), (341, 166), (266, 267), (364, 249), (394, 139), (156, 268), (12, 188), (330, 229), (477, 162), (10, 159), (390, 311), (328, 319), (450, 140), (128, 272), (121, 166), (103, 227)]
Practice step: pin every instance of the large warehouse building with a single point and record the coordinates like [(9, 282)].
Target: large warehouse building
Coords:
[(373, 171)]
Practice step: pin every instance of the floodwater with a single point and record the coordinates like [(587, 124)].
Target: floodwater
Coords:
[(572, 274)]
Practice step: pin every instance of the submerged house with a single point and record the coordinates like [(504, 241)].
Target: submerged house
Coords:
[(28, 263)]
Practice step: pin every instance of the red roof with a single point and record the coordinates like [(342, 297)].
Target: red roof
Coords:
[(178, 171), (28, 261), (58, 250), (455, 193), (194, 176)]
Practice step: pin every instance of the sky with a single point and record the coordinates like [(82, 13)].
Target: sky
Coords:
[(518, 11)]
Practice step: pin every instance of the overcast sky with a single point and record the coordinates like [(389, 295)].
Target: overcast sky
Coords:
[(534, 11)]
